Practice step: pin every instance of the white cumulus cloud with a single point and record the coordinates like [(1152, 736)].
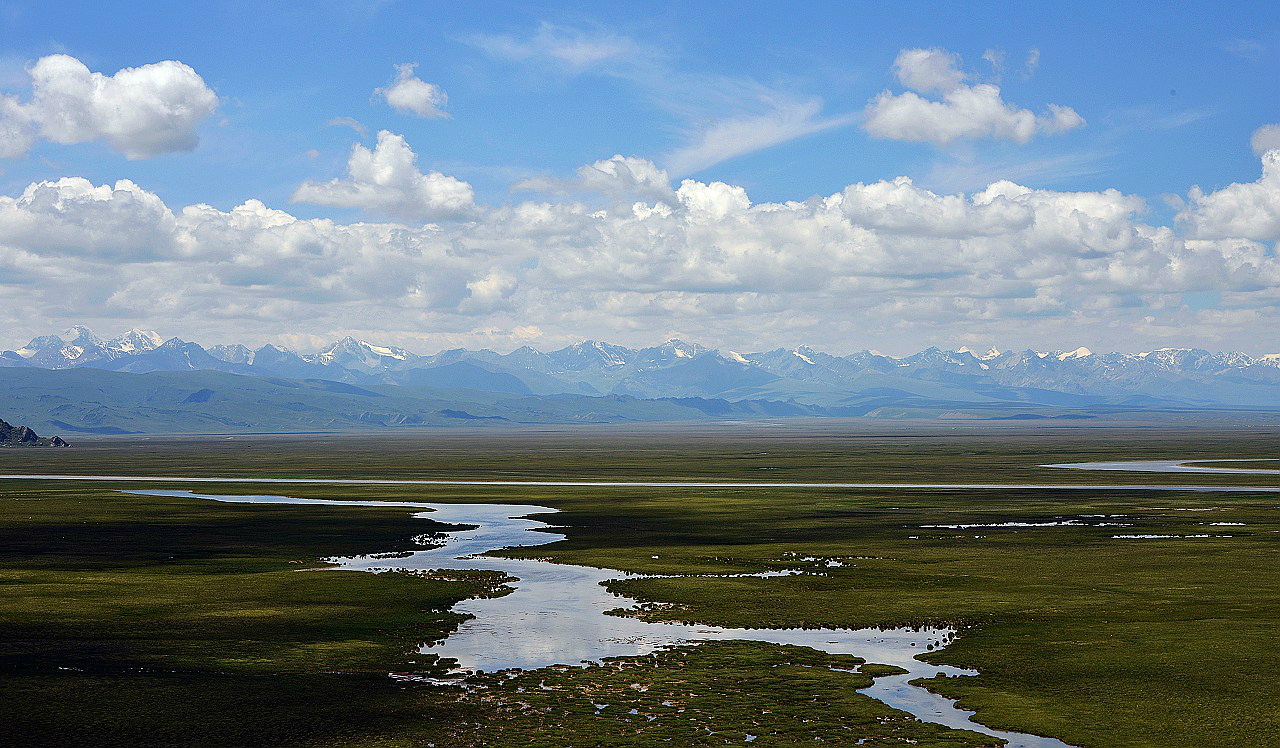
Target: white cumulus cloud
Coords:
[(410, 94), (618, 177), (885, 263), (72, 216), (1250, 210), (928, 70), (141, 112), (386, 181), (1265, 138), (964, 112)]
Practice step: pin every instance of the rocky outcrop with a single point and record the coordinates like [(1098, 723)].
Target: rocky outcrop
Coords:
[(23, 436)]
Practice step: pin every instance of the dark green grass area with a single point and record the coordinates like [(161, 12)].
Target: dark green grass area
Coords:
[(222, 710), (1273, 464), (207, 585), (722, 693), (1100, 641), (203, 624), (133, 620)]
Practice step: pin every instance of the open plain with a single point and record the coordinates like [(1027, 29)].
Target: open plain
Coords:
[(1098, 617)]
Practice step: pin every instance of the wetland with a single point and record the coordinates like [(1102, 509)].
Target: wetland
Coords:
[(163, 616)]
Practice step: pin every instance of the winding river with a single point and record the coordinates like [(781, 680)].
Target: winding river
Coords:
[(556, 613)]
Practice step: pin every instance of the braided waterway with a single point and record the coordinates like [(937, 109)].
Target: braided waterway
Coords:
[(556, 613)]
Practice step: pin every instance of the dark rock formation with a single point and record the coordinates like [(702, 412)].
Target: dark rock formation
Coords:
[(23, 436)]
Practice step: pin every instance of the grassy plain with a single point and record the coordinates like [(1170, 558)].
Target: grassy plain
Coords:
[(187, 622)]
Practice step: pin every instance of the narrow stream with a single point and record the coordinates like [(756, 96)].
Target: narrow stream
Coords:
[(556, 613)]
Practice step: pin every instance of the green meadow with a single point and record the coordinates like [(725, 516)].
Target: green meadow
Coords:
[(128, 620)]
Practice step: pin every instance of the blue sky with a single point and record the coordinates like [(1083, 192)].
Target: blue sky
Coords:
[(776, 99)]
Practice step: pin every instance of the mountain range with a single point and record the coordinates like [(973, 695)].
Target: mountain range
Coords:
[(785, 381)]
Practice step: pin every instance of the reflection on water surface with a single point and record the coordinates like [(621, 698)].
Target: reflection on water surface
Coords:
[(556, 613)]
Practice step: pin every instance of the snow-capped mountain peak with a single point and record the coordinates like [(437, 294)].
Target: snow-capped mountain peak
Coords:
[(1188, 377), (135, 341), (987, 355), (81, 334), (592, 353), (680, 349), (38, 344), (362, 354), (1080, 352), (74, 347)]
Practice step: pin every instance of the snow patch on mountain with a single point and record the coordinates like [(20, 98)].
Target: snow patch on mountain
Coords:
[(386, 351), (986, 355), (680, 349), (359, 353)]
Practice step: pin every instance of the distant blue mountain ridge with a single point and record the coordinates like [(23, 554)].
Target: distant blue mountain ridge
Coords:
[(798, 381)]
